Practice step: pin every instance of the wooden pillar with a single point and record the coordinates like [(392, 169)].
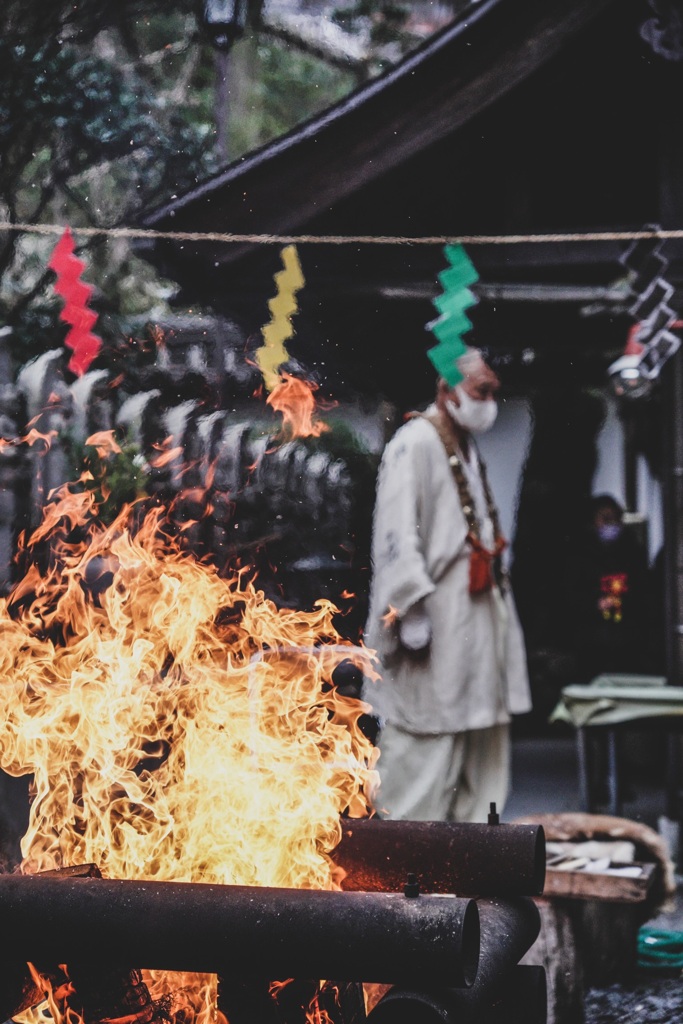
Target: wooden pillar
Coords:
[(556, 949), (670, 164)]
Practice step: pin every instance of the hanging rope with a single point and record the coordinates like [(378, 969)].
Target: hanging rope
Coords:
[(267, 239)]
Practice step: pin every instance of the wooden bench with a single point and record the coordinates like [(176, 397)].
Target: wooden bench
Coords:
[(590, 919)]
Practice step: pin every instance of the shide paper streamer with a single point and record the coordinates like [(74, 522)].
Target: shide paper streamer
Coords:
[(75, 294), (273, 353), (453, 321)]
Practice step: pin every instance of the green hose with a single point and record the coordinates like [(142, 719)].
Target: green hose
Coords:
[(660, 948)]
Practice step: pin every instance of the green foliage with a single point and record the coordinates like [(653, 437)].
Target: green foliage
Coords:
[(86, 109), (108, 109), (118, 479), (82, 113), (340, 441), (90, 133), (280, 89), (384, 22), (36, 329)]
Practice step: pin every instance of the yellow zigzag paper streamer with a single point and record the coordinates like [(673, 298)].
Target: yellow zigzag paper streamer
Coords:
[(282, 306)]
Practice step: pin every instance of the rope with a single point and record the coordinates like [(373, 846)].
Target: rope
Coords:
[(265, 239)]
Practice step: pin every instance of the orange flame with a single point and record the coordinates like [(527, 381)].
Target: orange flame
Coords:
[(177, 725), (294, 398), (166, 454), (30, 438), (105, 443), (390, 616)]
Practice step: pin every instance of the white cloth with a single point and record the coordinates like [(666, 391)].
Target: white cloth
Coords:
[(475, 483), (473, 675), (444, 778)]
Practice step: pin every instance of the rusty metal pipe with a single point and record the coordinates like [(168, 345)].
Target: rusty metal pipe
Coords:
[(467, 859), (508, 929), (523, 1000), (502, 993), (239, 931)]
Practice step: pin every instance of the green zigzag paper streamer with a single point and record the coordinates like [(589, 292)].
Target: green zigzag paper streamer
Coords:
[(452, 321)]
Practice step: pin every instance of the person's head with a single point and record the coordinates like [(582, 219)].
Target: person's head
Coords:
[(471, 404), (606, 517)]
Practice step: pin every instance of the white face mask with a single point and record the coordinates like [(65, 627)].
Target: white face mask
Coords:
[(473, 414)]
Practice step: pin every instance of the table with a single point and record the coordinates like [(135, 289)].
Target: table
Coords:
[(610, 702)]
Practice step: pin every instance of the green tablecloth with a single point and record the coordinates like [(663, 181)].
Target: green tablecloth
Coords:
[(611, 699)]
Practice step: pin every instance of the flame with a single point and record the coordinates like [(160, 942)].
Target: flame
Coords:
[(294, 398), (105, 443), (177, 724), (390, 616), (30, 438), (372, 995), (166, 454)]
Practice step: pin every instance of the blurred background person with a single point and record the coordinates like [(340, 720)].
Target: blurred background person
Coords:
[(608, 589), (441, 616)]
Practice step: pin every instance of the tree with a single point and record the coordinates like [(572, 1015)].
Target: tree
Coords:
[(109, 108), (94, 125)]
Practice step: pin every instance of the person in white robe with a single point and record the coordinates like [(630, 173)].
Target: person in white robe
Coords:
[(441, 618)]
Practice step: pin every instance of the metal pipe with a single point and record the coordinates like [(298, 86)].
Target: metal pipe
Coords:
[(508, 929), (467, 859), (523, 1000), (239, 931)]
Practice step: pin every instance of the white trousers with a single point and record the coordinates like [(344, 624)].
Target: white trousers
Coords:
[(448, 777)]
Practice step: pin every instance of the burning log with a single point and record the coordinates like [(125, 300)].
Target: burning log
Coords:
[(292, 1002), (502, 991), (240, 931), (18, 989), (96, 995), (110, 993), (467, 859)]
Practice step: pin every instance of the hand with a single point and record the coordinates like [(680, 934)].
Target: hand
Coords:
[(415, 629)]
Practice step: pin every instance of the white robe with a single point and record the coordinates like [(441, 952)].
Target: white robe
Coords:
[(475, 674)]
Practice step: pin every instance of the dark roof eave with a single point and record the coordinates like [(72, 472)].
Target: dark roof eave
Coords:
[(435, 90), (320, 122)]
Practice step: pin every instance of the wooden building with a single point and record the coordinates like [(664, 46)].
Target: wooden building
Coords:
[(522, 117)]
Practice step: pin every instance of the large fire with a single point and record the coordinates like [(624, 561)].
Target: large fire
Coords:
[(177, 725)]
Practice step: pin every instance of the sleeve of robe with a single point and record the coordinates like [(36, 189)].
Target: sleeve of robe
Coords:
[(418, 529)]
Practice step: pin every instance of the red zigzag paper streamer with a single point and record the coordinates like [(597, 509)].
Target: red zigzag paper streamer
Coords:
[(75, 293)]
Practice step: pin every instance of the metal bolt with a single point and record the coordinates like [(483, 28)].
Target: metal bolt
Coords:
[(412, 887)]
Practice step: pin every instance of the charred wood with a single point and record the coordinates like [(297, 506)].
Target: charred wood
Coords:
[(294, 1001), (109, 993), (18, 990), (248, 1001), (18, 986)]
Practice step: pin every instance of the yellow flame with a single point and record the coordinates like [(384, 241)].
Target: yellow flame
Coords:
[(177, 725)]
